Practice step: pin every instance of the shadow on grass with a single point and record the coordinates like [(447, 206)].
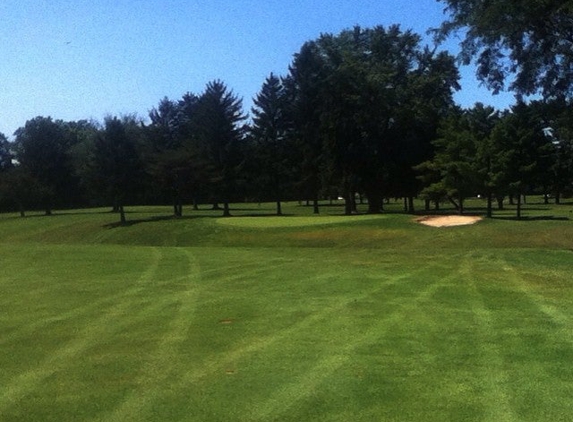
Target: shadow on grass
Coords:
[(134, 222), (531, 218)]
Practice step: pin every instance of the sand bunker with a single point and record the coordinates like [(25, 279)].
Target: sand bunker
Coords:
[(448, 220)]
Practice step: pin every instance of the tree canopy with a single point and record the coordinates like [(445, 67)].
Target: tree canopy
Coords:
[(530, 39)]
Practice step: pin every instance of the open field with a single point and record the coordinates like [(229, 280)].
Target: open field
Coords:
[(294, 318)]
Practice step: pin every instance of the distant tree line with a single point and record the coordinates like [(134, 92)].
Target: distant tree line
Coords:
[(367, 113)]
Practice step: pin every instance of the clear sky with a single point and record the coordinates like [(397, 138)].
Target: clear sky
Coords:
[(78, 59)]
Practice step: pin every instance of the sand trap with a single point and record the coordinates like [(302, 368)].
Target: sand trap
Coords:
[(448, 220)]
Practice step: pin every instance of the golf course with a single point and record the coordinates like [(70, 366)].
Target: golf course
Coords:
[(300, 317)]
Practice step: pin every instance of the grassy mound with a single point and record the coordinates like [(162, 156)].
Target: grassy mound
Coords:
[(297, 318)]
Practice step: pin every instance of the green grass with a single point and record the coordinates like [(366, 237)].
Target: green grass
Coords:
[(294, 318)]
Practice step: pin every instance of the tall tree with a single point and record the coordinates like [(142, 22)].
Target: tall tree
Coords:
[(42, 147), (522, 144), (561, 170), (481, 122), (170, 154), (117, 162), (304, 87), (530, 39), (374, 97), (6, 154), (269, 133), (220, 129), (454, 162)]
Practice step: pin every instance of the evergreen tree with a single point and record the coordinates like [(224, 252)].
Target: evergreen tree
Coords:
[(269, 133), (220, 130)]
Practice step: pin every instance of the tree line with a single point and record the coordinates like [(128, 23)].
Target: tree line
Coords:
[(368, 112)]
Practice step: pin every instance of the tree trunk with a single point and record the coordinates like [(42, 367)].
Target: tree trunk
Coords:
[(177, 208), (489, 212), (316, 210), (519, 206), (279, 208), (350, 203), (411, 208), (426, 205), (499, 200), (437, 205), (375, 204), (226, 211), (557, 198), (122, 219)]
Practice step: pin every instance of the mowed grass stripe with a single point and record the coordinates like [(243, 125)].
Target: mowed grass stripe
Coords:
[(536, 343), (97, 306), (382, 320), (111, 320), (517, 280), (299, 388), (163, 361), (214, 367), (492, 372)]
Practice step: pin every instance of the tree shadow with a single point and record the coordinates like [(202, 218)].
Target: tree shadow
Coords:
[(129, 223), (531, 218)]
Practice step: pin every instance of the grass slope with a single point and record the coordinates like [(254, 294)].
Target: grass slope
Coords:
[(297, 318)]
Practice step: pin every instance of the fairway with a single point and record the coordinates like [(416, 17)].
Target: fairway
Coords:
[(295, 318)]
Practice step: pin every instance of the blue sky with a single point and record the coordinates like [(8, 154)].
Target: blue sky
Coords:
[(76, 59)]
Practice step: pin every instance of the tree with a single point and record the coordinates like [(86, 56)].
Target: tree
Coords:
[(481, 122), (371, 100), (220, 130), (172, 152), (269, 132), (6, 154), (530, 39), (6, 167), (521, 144), (304, 85), (117, 163), (42, 148), (453, 162), (561, 133)]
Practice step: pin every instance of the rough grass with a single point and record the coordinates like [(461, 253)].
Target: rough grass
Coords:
[(295, 318)]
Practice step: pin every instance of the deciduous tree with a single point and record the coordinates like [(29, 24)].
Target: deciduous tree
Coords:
[(530, 39)]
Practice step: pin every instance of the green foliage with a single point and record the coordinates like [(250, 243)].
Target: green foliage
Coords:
[(521, 144), (220, 131), (271, 154), (117, 163), (529, 38), (42, 148), (463, 162), (6, 154), (372, 97), (172, 155)]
